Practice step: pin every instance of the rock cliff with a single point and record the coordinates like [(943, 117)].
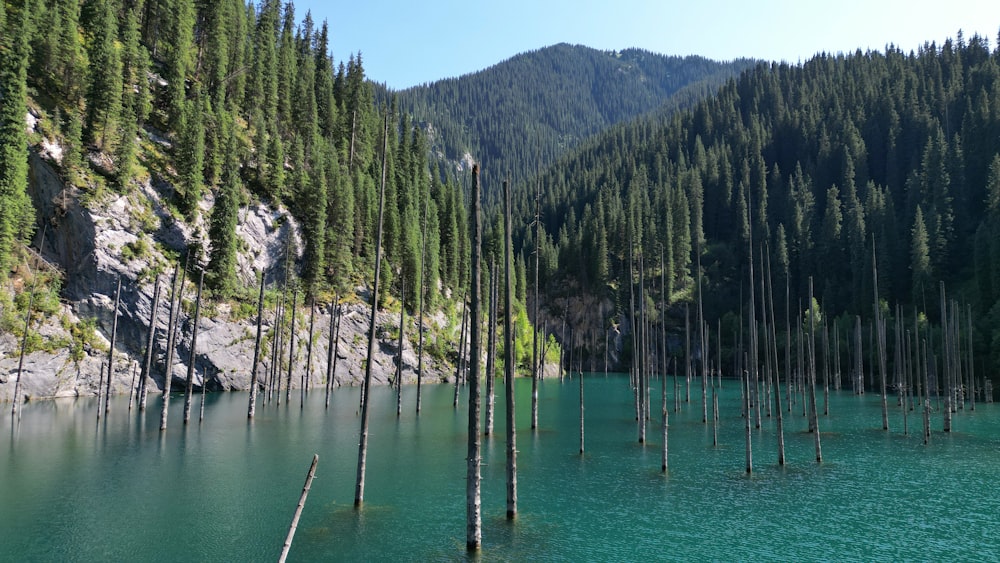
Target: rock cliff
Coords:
[(95, 240)]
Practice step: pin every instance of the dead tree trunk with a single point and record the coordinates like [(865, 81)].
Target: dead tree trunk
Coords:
[(168, 370), (291, 347), (812, 374), (534, 321), (880, 331), (305, 382), (491, 349), (111, 349), (298, 510), (474, 534), (774, 352), (150, 343), (330, 345), (509, 357), (189, 388), (252, 407), (399, 353), (949, 392), (461, 349), (20, 362), (420, 304), (664, 462), (359, 490)]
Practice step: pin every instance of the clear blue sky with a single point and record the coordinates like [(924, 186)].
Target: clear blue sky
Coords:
[(406, 43)]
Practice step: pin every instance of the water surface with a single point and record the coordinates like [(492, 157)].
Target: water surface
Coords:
[(225, 489)]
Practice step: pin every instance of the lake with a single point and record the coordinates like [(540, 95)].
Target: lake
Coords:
[(72, 488)]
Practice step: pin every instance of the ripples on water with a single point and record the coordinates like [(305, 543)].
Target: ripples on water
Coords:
[(73, 489)]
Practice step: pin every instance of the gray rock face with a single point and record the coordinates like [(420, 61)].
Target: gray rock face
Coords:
[(88, 242)]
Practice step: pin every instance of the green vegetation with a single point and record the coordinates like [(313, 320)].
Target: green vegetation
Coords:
[(821, 160)]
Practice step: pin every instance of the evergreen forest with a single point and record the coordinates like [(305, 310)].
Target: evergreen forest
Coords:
[(817, 164)]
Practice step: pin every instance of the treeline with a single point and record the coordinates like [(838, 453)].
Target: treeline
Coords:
[(520, 115), (251, 107), (823, 161)]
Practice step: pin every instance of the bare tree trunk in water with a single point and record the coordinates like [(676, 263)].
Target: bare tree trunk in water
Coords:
[(171, 342), (813, 414), (880, 331), (949, 392), (491, 349), (291, 347), (306, 380), (746, 422), (20, 363), (298, 510), (534, 321), (461, 348), (359, 490), (252, 407), (332, 338), (474, 533), (420, 304), (150, 343), (189, 387), (111, 349), (509, 357), (666, 425), (399, 358)]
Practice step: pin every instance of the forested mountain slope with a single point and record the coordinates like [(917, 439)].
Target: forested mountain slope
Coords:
[(821, 161), (523, 113)]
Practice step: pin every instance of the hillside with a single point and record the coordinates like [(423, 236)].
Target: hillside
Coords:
[(523, 113), (819, 161)]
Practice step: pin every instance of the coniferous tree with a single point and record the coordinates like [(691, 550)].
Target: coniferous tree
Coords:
[(222, 227), (15, 207), (191, 155), (920, 261), (180, 25), (104, 95)]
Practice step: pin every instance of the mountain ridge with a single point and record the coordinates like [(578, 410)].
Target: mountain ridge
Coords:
[(522, 113)]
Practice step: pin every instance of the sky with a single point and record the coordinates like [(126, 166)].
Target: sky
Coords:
[(406, 43)]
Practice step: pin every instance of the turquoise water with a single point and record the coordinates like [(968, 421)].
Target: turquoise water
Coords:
[(225, 489)]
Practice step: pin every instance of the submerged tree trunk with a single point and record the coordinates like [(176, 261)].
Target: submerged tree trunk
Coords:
[(331, 359), (474, 535), (399, 357), (666, 425), (491, 349), (420, 304), (252, 406), (111, 349), (509, 357), (150, 343), (534, 321), (189, 387), (359, 489), (20, 362), (305, 381), (168, 370), (298, 510), (813, 414), (291, 347), (880, 332), (461, 349)]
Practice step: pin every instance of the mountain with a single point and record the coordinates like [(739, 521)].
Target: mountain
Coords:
[(523, 113), (821, 162)]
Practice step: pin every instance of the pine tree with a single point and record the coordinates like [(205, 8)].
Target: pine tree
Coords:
[(180, 20), (104, 95), (920, 261), (191, 155), (15, 207), (309, 189), (222, 227)]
